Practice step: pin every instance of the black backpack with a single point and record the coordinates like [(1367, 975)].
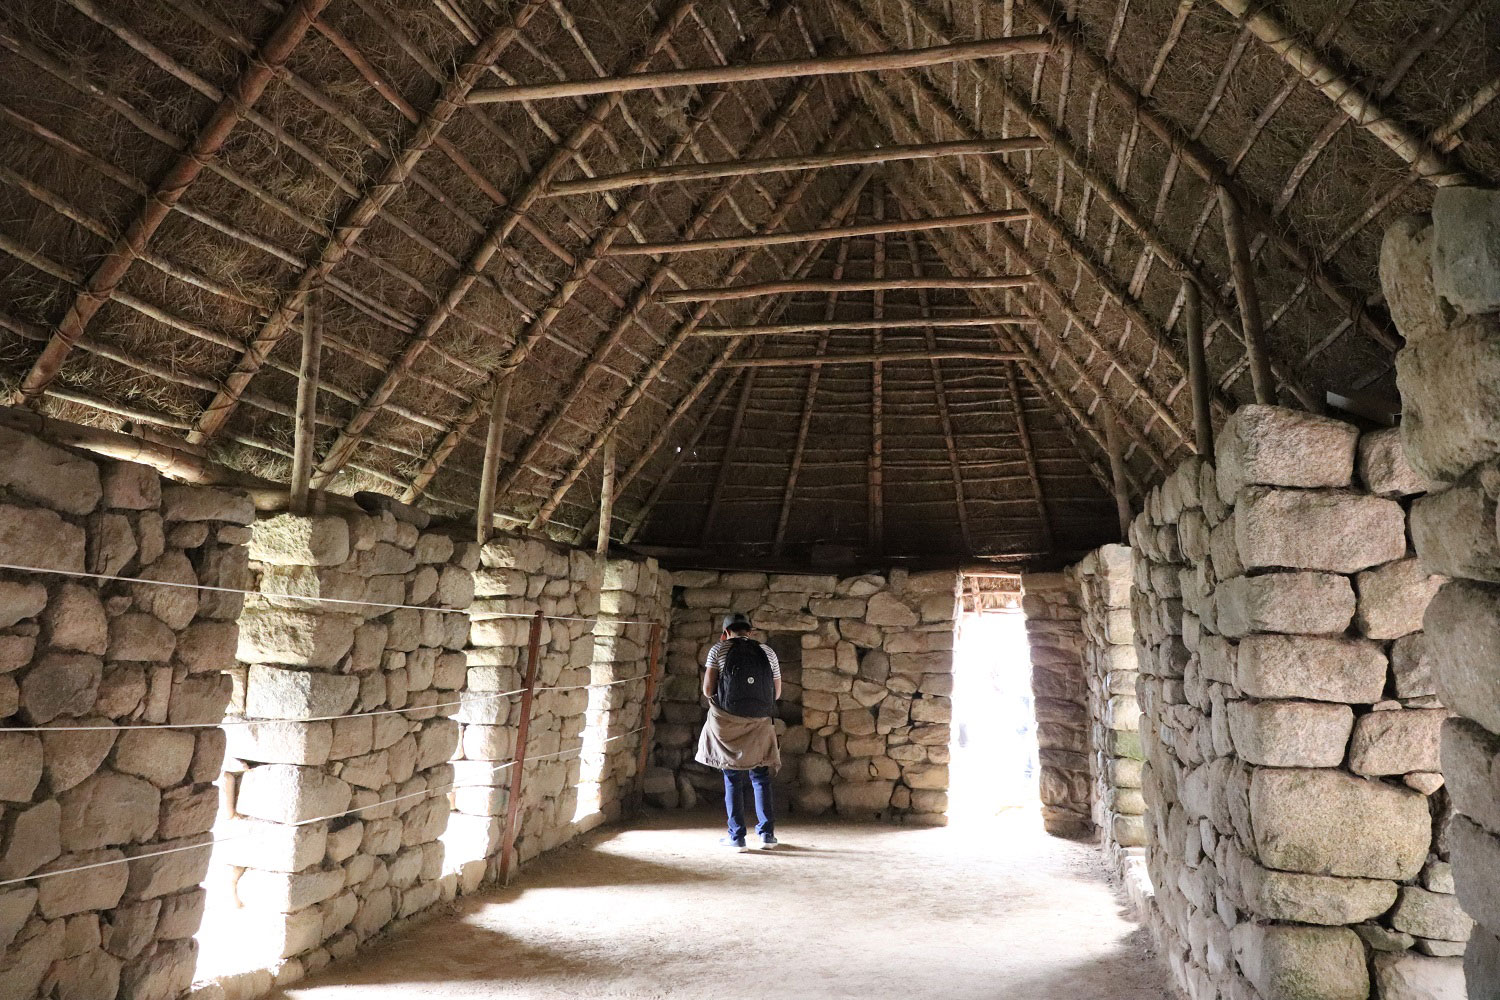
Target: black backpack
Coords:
[(746, 685)]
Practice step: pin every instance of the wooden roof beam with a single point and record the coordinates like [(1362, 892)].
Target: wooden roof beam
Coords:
[(850, 285), (1033, 476), (790, 164), (256, 75), (498, 235), (871, 358), (818, 235), (778, 70), (823, 326)]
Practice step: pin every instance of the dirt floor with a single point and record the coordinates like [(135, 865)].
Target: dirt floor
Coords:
[(838, 910)]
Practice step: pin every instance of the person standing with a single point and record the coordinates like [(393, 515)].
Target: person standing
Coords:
[(742, 682)]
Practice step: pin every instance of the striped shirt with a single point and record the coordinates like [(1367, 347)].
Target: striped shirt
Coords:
[(720, 650)]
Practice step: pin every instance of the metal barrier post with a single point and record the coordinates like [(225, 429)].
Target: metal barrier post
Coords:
[(513, 798)]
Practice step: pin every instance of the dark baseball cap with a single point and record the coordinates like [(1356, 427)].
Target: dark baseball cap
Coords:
[(736, 622)]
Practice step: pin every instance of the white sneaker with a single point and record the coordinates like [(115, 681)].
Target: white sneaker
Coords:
[(738, 845), (769, 841)]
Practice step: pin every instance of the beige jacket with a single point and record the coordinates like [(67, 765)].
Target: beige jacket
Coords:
[(735, 743)]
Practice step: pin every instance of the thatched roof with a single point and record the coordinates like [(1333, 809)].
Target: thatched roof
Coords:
[(179, 177)]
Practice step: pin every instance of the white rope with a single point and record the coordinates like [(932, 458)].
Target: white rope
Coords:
[(306, 822), (300, 597), (472, 696)]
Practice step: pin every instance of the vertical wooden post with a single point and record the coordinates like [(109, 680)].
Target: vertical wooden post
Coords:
[(1117, 470), (876, 515), (513, 798), (606, 496), (1242, 267), (484, 514), (643, 756), (1192, 328), (305, 433)]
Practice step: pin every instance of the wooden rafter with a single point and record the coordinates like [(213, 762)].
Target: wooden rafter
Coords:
[(1033, 473), (258, 73), (791, 164), (875, 483), (871, 358), (727, 459), (779, 70), (357, 219), (348, 440), (851, 285), (817, 235)]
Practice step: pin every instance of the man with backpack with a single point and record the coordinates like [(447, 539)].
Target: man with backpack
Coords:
[(742, 683)]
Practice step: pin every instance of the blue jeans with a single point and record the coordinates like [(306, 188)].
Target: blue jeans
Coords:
[(734, 793)]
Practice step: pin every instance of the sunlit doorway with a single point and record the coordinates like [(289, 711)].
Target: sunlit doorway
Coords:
[(994, 767)]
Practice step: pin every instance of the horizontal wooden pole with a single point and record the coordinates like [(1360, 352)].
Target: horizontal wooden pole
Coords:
[(841, 287), (815, 235), (778, 70), (821, 326), (782, 164), (886, 357)]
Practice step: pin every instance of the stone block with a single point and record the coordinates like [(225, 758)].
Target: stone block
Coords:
[(1274, 446), (1454, 531), (60, 684), (1313, 899), (1311, 667), (128, 486), (200, 700), (160, 756), (286, 793), (1290, 962), (1393, 598), (98, 888), (1290, 733), (72, 755), (1407, 976), (1463, 633), (1449, 382), (298, 638), (1406, 278), (298, 540), (107, 809), (1326, 822), (277, 693), (61, 479), (74, 620), (271, 742), (31, 536), (1411, 667), (1430, 915), (1397, 742), (1466, 248), (1327, 530), (1298, 603), (1383, 468), (140, 638), (22, 753), (34, 838), (856, 798), (1471, 767), (888, 610)]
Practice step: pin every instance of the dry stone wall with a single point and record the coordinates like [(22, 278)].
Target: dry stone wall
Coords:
[(867, 671), (309, 890), (1441, 277), (1054, 630), (1109, 658), (1298, 830), (78, 652)]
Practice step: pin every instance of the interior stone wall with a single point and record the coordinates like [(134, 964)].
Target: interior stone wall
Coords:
[(1054, 631), (77, 652), (305, 890), (1109, 658), (865, 713), (1441, 277), (1298, 832)]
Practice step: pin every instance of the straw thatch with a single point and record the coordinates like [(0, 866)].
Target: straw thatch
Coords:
[(178, 177)]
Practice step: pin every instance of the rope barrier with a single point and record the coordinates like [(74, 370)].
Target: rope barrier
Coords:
[(306, 822), (79, 574), (473, 696)]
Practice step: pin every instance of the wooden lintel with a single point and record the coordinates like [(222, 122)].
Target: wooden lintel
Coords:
[(817, 235), (778, 70), (783, 164), (869, 285)]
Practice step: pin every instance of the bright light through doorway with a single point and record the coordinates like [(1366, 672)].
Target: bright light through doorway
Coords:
[(994, 751)]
